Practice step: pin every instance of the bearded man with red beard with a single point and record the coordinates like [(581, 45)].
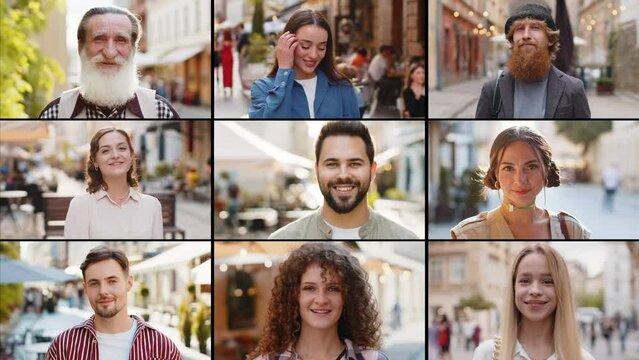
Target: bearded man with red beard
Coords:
[(107, 42), (531, 87)]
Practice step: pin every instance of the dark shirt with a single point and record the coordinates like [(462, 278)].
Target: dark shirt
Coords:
[(416, 108)]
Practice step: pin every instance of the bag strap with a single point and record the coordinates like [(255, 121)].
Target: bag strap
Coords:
[(562, 222), (496, 346), (496, 98)]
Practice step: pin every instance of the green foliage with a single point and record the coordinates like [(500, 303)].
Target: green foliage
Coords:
[(582, 132), (163, 169), (591, 300), (11, 297), (476, 302), (395, 194), (202, 327), (257, 49), (23, 68), (258, 18), (184, 321), (471, 182)]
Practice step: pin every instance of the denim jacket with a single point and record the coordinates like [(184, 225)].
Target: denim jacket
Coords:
[(282, 97)]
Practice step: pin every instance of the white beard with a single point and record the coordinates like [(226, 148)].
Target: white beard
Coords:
[(108, 90)]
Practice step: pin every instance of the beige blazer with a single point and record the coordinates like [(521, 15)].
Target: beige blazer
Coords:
[(492, 225)]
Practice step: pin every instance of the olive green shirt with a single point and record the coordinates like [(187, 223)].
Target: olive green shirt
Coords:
[(314, 227)]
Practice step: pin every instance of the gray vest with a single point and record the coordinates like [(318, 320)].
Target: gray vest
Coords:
[(146, 98)]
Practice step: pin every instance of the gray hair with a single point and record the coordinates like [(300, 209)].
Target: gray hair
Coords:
[(136, 32)]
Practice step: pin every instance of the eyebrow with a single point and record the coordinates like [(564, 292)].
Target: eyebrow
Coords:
[(530, 274), (312, 283), (336, 159), (107, 278), (308, 41), (527, 162), (100, 33), (122, 143)]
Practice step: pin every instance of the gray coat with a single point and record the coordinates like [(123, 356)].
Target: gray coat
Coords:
[(566, 98)]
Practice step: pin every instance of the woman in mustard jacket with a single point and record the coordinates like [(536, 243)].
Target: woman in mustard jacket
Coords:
[(304, 82)]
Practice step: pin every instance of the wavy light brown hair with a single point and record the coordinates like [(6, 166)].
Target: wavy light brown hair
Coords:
[(94, 176), (359, 321), (539, 144)]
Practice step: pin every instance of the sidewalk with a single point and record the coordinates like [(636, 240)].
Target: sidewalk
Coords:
[(408, 343)]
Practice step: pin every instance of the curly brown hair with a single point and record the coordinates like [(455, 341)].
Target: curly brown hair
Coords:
[(359, 321), (95, 181)]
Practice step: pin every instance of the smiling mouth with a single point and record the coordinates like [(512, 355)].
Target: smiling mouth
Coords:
[(117, 164), (321, 312), (521, 192), (105, 302), (310, 63), (343, 189)]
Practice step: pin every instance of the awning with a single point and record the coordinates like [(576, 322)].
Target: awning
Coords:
[(202, 273), (23, 131), (170, 258), (172, 56), (17, 272)]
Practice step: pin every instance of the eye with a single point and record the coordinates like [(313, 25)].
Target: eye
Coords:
[(507, 168), (356, 165), (533, 167), (334, 289), (321, 49), (524, 281), (331, 165), (308, 288), (306, 47), (547, 281), (122, 149)]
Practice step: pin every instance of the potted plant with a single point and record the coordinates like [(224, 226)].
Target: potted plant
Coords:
[(144, 293), (202, 327), (185, 323), (472, 186), (257, 49), (605, 86), (443, 211)]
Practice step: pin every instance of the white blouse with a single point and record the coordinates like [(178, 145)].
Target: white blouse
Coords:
[(97, 216), (485, 352)]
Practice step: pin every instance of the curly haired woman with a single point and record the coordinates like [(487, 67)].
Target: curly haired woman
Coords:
[(322, 307)]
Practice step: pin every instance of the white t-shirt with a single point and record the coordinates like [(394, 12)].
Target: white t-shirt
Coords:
[(377, 67), (342, 233), (116, 346), (309, 86), (485, 352)]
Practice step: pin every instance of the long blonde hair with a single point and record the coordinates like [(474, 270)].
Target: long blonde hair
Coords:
[(566, 335)]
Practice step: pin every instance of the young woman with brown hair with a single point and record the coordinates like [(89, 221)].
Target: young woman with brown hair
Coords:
[(304, 82), (521, 166), (321, 307), (113, 209)]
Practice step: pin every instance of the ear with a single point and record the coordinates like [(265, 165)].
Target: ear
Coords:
[(373, 170), (129, 283)]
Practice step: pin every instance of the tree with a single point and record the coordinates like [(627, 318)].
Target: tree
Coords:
[(475, 302), (23, 68), (583, 132), (11, 294)]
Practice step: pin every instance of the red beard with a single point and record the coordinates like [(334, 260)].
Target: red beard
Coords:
[(529, 64)]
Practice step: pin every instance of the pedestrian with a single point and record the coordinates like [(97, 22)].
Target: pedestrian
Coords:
[(304, 82), (112, 207), (397, 317), (607, 330), (433, 344), (593, 334), (623, 331), (538, 320), (477, 335), (322, 307), (468, 330), (226, 58), (110, 333), (109, 88), (414, 93), (531, 87), (521, 166), (611, 179), (443, 337)]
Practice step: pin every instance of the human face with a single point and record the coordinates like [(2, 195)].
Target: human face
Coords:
[(529, 34), (106, 285), (114, 156), (311, 50), (520, 174), (344, 172), (534, 288), (320, 298), (109, 39), (418, 76), (530, 60)]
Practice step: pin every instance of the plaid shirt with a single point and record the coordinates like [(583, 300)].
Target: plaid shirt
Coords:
[(81, 343), (162, 105), (352, 352)]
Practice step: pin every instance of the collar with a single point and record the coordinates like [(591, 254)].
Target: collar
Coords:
[(133, 194), (495, 217), (133, 105), (521, 352), (89, 325), (364, 231)]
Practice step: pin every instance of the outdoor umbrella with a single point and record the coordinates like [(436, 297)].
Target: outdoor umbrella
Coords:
[(16, 272)]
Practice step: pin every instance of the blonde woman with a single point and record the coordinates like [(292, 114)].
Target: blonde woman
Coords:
[(521, 166), (538, 322)]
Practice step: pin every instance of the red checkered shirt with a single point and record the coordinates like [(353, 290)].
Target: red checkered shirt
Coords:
[(81, 343)]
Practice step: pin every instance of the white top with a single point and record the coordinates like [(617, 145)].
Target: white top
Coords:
[(485, 352), (611, 177), (342, 233), (377, 67), (116, 346), (309, 86), (96, 216)]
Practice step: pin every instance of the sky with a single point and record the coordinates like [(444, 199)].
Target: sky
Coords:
[(592, 254)]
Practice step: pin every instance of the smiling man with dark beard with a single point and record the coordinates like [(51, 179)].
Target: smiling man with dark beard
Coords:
[(107, 42), (531, 87), (345, 167)]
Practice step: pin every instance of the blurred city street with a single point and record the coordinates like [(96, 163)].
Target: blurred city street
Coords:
[(172, 167)]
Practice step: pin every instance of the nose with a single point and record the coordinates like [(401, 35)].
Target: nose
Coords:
[(110, 50), (321, 297), (527, 32), (521, 176), (534, 288)]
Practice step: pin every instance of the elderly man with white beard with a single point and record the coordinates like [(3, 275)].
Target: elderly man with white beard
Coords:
[(107, 41)]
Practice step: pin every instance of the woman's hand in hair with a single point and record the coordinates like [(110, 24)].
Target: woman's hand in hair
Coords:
[(286, 50)]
